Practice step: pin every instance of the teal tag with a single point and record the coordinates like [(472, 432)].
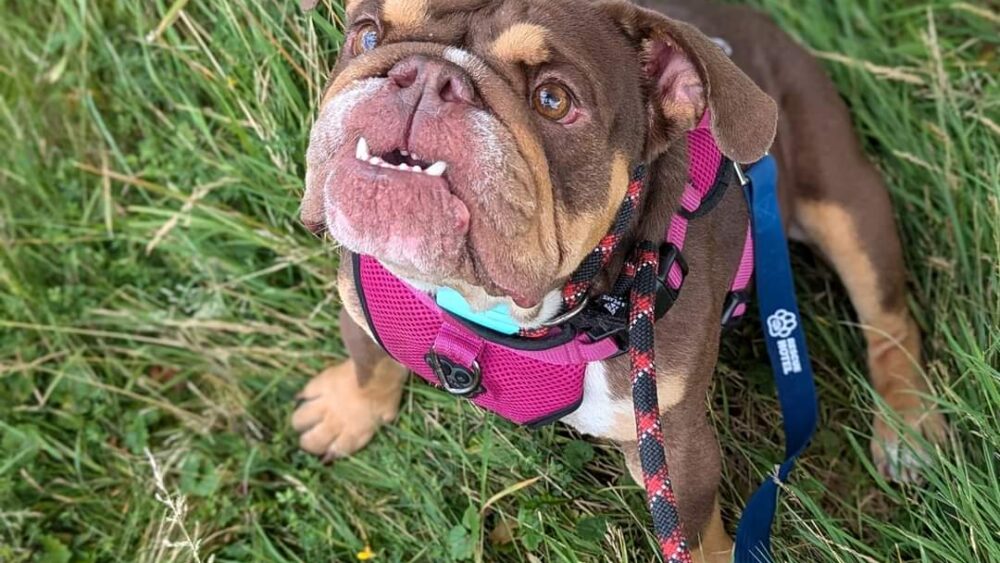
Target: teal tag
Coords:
[(497, 319)]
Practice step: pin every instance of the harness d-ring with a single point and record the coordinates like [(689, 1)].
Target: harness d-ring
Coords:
[(568, 315)]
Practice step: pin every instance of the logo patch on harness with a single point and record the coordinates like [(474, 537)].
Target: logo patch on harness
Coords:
[(780, 326)]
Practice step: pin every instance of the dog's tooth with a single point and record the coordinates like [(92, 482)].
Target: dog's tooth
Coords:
[(404, 153), (437, 169), (362, 152), (404, 168), (416, 168), (375, 160)]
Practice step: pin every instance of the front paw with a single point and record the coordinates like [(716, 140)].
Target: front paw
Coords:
[(901, 458), (338, 416)]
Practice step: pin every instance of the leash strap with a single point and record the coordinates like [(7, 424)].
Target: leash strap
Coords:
[(786, 347), (659, 492)]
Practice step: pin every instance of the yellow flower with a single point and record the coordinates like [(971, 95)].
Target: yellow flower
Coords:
[(366, 554)]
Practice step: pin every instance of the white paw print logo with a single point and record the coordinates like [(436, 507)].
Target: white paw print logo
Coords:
[(782, 323)]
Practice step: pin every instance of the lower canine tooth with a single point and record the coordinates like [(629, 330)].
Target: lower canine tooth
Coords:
[(437, 169), (362, 152)]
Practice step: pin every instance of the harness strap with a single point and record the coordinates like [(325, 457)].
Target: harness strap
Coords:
[(458, 345), (580, 350), (738, 300), (704, 160)]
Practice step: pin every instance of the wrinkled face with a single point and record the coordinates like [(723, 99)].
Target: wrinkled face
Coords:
[(486, 145), (479, 144)]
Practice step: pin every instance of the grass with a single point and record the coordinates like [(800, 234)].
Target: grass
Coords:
[(160, 306)]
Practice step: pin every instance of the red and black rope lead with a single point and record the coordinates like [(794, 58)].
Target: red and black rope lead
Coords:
[(640, 275), (659, 491)]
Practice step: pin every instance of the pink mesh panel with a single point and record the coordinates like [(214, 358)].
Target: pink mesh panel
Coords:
[(704, 159), (520, 386)]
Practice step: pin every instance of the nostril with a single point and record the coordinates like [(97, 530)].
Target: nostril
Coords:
[(403, 77), (456, 90), (448, 93)]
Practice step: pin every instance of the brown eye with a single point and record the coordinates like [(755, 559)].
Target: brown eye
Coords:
[(552, 101), (366, 38)]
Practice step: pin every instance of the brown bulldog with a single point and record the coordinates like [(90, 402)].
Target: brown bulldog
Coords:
[(485, 145)]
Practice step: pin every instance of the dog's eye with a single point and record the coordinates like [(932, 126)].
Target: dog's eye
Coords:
[(552, 101), (366, 38)]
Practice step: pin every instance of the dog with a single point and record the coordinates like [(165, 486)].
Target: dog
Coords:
[(517, 122)]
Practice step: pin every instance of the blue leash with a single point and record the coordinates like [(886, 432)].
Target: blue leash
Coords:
[(786, 347)]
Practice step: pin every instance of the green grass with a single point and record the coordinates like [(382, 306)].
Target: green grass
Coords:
[(157, 292)]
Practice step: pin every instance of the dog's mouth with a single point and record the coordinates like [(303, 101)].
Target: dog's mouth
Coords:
[(387, 200), (412, 194), (400, 160)]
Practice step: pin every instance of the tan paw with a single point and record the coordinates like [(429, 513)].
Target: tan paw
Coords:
[(902, 458), (338, 416), (714, 544)]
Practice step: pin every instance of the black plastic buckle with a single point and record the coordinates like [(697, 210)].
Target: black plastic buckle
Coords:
[(607, 317), (456, 379), (666, 296), (733, 302)]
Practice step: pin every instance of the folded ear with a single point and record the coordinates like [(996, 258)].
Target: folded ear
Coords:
[(687, 73)]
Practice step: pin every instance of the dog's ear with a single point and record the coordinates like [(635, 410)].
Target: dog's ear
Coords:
[(686, 74)]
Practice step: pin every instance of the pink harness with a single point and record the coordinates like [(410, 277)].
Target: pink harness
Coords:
[(535, 381)]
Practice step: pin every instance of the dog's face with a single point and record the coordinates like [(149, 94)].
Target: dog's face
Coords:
[(486, 145)]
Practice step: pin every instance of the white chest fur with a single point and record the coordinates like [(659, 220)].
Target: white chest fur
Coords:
[(600, 414)]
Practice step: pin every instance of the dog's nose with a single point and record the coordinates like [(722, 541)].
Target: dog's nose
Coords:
[(438, 81)]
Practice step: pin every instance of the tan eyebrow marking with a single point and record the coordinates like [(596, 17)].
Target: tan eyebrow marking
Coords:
[(405, 13), (522, 43)]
